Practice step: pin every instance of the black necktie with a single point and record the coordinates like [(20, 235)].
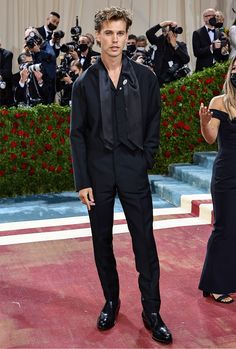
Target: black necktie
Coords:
[(211, 30), (49, 35)]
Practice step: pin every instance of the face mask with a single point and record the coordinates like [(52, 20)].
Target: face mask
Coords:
[(233, 79), (131, 48), (140, 49), (212, 21), (83, 47), (52, 26)]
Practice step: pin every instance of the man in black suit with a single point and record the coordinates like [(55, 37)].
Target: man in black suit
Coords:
[(170, 54), (209, 44), (6, 96), (85, 51), (115, 124), (47, 31)]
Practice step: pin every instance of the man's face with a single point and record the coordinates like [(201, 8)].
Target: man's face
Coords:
[(112, 37), (83, 40), (54, 20), (207, 15), (131, 42)]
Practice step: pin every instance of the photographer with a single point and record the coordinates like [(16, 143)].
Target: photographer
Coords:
[(42, 53), (29, 87), (66, 79), (5, 77), (171, 55), (49, 34), (209, 44)]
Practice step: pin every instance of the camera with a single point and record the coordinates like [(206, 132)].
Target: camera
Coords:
[(176, 30), (59, 34), (69, 47), (32, 40), (176, 72), (31, 67), (2, 84), (76, 30), (224, 41)]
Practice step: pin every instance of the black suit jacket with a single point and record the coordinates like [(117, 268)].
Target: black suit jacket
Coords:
[(43, 33), (6, 97), (87, 61), (165, 52), (86, 120), (201, 48)]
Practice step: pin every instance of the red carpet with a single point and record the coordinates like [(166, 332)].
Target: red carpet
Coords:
[(50, 295)]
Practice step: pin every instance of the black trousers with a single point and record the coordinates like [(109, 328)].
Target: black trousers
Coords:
[(124, 172)]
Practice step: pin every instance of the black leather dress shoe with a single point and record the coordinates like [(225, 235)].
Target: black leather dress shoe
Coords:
[(159, 330), (108, 315)]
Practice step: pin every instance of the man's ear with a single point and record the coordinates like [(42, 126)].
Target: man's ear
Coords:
[(97, 38)]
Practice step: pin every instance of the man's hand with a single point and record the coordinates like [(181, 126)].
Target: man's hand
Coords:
[(171, 23), (86, 197)]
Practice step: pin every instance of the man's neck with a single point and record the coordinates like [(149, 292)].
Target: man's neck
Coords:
[(111, 63)]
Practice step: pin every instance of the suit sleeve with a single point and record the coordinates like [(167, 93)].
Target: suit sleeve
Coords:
[(151, 35), (78, 128), (152, 135), (6, 67), (182, 53), (198, 49)]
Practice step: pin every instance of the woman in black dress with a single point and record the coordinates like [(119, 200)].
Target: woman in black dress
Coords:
[(219, 122)]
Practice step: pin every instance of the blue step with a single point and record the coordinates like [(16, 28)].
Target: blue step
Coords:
[(195, 175), (204, 159), (171, 189)]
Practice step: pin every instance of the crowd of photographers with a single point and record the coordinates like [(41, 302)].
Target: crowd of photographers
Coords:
[(48, 67)]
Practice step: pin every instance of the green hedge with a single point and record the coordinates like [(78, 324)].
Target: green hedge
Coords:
[(35, 149)]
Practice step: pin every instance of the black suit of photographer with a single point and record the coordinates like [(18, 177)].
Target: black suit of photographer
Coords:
[(6, 73), (31, 92), (201, 48), (166, 53)]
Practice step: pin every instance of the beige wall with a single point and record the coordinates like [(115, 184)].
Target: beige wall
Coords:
[(15, 15)]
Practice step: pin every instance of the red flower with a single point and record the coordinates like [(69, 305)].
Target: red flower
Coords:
[(209, 80), (175, 134), (24, 165), (171, 91), (31, 142), (62, 140), (67, 131), (51, 168), (13, 144), (38, 130), (71, 170), (183, 88), (31, 171), (164, 97), (31, 123), (40, 151), (200, 140), (168, 134), (5, 137), (17, 115), (24, 154), (33, 157), (23, 144), (14, 168), (44, 165), (165, 123), (4, 112), (13, 156), (59, 169), (54, 135), (50, 127), (186, 127), (14, 130), (2, 124), (167, 154), (2, 172), (179, 98), (59, 152), (20, 133), (48, 147)]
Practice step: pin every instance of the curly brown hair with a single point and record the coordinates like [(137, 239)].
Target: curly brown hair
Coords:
[(112, 14)]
